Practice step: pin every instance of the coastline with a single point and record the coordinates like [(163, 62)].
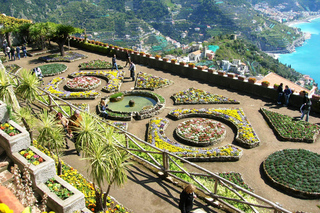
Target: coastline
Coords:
[(305, 20)]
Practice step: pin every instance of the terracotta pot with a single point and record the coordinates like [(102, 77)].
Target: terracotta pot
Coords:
[(192, 66), (231, 75), (173, 61), (251, 81), (221, 73), (165, 60), (148, 55), (264, 85), (210, 70), (142, 54), (182, 63), (241, 78)]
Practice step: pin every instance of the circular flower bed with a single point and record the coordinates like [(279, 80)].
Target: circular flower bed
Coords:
[(83, 83), (296, 171), (151, 82), (201, 131)]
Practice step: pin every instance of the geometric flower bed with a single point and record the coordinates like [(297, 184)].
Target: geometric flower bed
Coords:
[(31, 156), (198, 96), (296, 171), (200, 132), (288, 129), (68, 57), (52, 88), (97, 64), (83, 83), (246, 136), (235, 178), (53, 69), (157, 138), (9, 129), (151, 82), (114, 78), (58, 189), (74, 178)]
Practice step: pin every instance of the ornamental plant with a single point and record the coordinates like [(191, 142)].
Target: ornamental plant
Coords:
[(287, 128), (9, 129), (55, 187), (68, 57), (246, 135), (157, 137), (296, 171), (148, 81), (191, 65), (198, 96), (265, 82), (251, 79), (31, 157), (83, 83)]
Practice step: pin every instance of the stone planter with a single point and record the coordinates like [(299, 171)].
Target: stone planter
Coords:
[(17, 142), (221, 73), (3, 112), (74, 203), (39, 173)]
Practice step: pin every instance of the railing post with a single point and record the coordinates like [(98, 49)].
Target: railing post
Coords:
[(165, 160), (50, 102), (216, 185)]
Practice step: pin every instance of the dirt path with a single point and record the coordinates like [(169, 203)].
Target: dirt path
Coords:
[(145, 192)]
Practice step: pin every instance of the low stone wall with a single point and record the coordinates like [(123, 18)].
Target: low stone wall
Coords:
[(202, 75)]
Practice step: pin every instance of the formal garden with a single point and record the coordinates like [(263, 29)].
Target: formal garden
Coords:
[(197, 135)]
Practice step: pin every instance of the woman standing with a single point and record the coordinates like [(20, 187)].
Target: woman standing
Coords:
[(186, 198)]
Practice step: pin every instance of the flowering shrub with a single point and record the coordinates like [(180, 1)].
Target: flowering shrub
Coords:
[(201, 131), (114, 78), (31, 156), (198, 96), (246, 136), (157, 137), (289, 129), (296, 170), (74, 178), (68, 57), (83, 83), (97, 64), (9, 129), (147, 81), (58, 189), (52, 87)]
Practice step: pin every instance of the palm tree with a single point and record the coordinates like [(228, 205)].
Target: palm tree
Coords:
[(7, 94), (51, 135), (106, 164), (28, 90)]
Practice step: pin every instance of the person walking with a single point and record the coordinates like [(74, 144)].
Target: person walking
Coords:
[(63, 121), (13, 55), (287, 94), (280, 93), (128, 58), (24, 51), (305, 109), (186, 198), (74, 125), (18, 52), (132, 69), (114, 62), (8, 52)]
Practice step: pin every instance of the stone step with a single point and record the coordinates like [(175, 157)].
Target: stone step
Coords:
[(5, 177), (4, 166)]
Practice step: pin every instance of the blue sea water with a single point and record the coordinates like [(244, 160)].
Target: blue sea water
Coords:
[(307, 57)]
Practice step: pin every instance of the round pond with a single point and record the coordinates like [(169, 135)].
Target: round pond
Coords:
[(139, 103)]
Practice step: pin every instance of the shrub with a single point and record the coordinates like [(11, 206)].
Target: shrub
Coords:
[(116, 95)]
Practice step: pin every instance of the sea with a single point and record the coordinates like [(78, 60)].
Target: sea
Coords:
[(307, 57)]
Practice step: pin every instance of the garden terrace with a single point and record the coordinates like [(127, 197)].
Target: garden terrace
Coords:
[(252, 97)]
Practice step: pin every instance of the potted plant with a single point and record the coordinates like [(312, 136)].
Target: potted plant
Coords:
[(252, 80), (142, 53), (210, 70), (200, 68), (173, 61), (275, 86), (265, 83), (165, 59), (182, 63), (148, 55), (241, 77), (231, 75), (191, 65), (220, 72), (157, 57)]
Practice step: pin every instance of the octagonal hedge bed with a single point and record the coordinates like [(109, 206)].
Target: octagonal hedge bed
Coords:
[(294, 171)]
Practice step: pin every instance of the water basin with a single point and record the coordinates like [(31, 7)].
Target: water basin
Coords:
[(140, 102)]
